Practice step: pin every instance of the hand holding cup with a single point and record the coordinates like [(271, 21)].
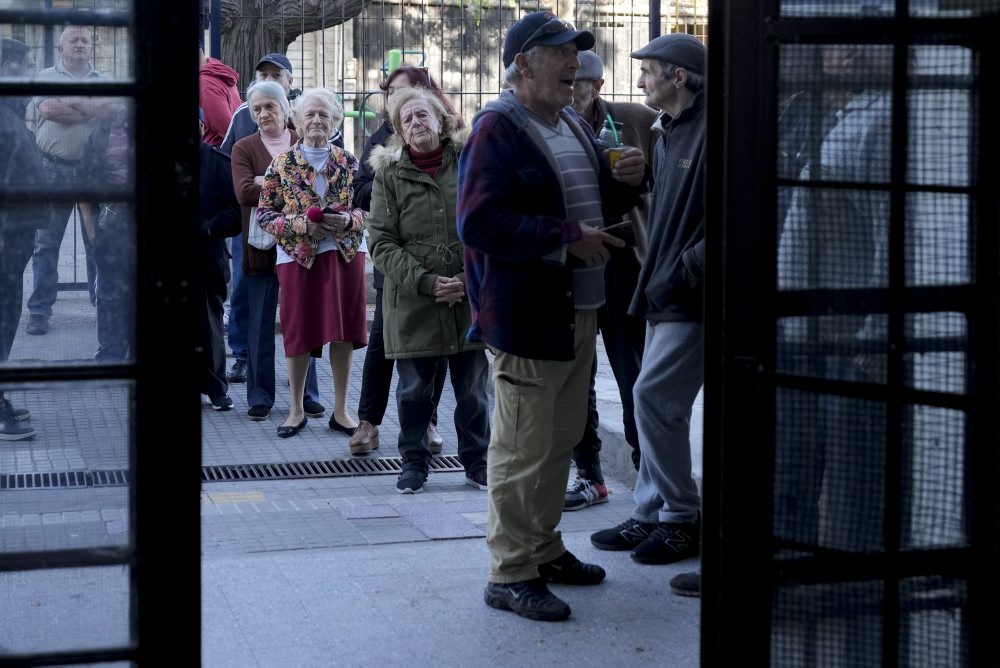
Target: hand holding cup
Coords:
[(627, 164)]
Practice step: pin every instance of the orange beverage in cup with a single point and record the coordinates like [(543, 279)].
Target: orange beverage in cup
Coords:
[(614, 154)]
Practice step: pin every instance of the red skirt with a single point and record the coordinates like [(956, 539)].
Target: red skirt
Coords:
[(322, 304)]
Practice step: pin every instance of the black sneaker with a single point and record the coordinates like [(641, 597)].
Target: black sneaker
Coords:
[(313, 409), (477, 479), (411, 481), (531, 599), (567, 569), (625, 536), (12, 430), (686, 584), (669, 543), (223, 403), (8, 409), (258, 412), (238, 372)]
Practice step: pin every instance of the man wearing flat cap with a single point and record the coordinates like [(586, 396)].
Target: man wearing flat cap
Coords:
[(623, 335), (665, 524), (534, 192)]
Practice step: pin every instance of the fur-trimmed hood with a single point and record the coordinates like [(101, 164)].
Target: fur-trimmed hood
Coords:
[(390, 154)]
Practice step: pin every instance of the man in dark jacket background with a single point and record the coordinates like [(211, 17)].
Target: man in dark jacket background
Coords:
[(622, 333), (220, 218), (665, 524), (20, 168)]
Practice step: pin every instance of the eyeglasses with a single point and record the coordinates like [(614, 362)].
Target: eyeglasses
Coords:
[(553, 26)]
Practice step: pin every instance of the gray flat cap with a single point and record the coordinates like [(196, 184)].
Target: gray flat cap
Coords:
[(676, 48), (591, 66)]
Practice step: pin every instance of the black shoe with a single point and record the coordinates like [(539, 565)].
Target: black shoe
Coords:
[(258, 412), (7, 410), (285, 432), (531, 599), (37, 325), (411, 481), (223, 403), (336, 426), (669, 543), (238, 372), (12, 430), (477, 479), (313, 409), (686, 584), (567, 569), (625, 536)]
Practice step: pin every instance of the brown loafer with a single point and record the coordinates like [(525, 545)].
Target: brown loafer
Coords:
[(364, 439), (434, 440)]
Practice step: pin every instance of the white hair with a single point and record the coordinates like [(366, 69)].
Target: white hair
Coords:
[(271, 90), (512, 75), (323, 95)]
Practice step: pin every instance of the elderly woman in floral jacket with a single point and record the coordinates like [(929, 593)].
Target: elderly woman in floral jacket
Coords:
[(415, 244), (306, 202)]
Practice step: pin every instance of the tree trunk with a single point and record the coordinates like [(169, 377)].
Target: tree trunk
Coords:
[(251, 28)]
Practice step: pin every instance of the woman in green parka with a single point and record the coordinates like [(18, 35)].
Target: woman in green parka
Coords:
[(414, 242)]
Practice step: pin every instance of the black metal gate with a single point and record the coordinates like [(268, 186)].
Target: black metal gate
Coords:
[(107, 571), (852, 362)]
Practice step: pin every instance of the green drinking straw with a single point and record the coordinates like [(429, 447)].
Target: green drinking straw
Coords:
[(614, 130)]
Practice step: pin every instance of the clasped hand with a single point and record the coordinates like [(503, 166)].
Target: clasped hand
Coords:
[(333, 225), (448, 291)]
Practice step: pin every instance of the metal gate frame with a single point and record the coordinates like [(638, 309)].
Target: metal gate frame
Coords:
[(739, 573), (163, 555)]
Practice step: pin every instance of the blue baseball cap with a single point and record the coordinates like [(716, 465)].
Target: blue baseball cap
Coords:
[(278, 59), (545, 29)]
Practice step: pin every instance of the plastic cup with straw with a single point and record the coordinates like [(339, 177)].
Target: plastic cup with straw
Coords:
[(614, 152)]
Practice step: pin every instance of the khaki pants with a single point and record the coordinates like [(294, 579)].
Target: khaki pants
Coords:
[(538, 417)]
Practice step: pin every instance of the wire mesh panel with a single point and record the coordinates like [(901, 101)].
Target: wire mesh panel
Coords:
[(875, 258), (349, 47)]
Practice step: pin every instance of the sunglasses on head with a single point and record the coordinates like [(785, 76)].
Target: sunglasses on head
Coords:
[(384, 85), (553, 26)]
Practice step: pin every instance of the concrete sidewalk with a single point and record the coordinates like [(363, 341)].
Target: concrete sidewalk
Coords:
[(337, 571)]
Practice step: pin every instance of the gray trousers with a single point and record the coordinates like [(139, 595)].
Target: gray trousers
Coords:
[(672, 373)]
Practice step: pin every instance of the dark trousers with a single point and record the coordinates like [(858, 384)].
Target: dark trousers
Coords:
[(415, 403), (623, 337), (262, 307), (239, 304), (212, 337), (114, 253), (376, 375), (48, 241), (15, 252)]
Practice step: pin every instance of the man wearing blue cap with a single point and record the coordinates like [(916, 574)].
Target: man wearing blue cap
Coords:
[(665, 525), (534, 192)]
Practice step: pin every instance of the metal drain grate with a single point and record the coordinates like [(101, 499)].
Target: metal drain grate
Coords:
[(328, 468), (112, 478)]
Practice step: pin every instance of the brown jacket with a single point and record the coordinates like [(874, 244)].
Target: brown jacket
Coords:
[(251, 158), (637, 122)]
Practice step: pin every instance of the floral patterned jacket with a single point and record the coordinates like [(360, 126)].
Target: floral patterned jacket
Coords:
[(287, 193)]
